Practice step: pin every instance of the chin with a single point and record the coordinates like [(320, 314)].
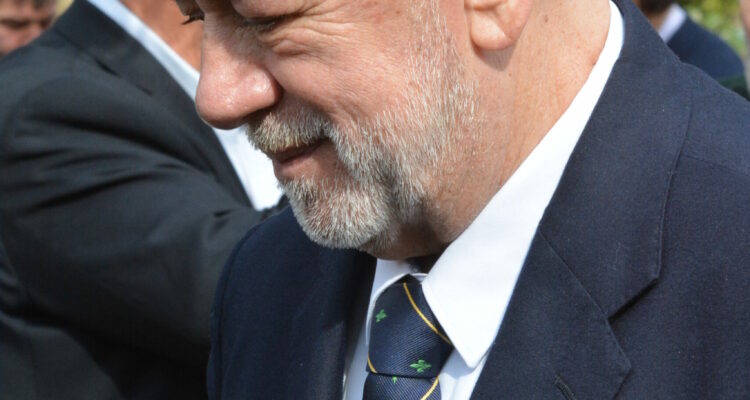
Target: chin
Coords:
[(343, 215)]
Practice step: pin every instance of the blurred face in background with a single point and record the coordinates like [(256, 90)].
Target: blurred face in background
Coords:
[(21, 21)]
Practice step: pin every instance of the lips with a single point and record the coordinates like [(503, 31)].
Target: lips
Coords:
[(291, 153)]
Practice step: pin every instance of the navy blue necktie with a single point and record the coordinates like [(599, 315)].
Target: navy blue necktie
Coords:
[(407, 346)]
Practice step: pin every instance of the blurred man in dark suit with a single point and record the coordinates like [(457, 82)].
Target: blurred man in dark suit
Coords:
[(119, 207), (21, 21), (692, 43)]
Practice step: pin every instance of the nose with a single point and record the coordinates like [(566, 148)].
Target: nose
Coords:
[(232, 86)]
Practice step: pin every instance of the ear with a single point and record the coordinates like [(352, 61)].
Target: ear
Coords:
[(496, 24)]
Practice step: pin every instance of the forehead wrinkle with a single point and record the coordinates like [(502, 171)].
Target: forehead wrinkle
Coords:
[(322, 28), (344, 19)]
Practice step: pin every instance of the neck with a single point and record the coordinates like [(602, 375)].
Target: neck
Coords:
[(550, 73), (165, 19), (523, 91)]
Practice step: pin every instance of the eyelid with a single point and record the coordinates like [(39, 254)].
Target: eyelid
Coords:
[(263, 24), (14, 24)]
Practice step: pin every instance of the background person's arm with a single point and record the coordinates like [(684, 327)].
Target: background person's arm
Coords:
[(111, 217)]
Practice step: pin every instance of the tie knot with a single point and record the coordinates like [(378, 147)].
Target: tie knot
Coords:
[(406, 339)]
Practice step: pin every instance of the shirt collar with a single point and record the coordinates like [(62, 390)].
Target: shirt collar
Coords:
[(461, 288), (182, 72), (676, 16)]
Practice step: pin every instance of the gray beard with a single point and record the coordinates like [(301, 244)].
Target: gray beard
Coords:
[(390, 160)]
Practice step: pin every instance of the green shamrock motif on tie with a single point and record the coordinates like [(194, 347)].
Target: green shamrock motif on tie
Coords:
[(421, 366), (380, 316)]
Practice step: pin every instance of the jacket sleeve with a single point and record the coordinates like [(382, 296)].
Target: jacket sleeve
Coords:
[(111, 218)]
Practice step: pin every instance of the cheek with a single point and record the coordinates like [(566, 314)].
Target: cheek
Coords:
[(345, 86), (15, 37), (348, 71)]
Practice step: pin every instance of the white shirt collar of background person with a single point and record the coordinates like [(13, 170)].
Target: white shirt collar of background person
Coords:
[(676, 16), (253, 168), (476, 274)]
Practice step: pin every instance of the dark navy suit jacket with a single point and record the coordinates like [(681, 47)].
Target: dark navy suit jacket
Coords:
[(635, 286), (695, 45)]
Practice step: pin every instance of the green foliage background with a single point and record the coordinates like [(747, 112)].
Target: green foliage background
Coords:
[(720, 16)]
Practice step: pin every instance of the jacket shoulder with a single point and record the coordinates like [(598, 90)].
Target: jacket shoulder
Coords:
[(697, 46), (719, 126), (45, 60), (278, 252), (706, 218), (698, 308), (273, 276)]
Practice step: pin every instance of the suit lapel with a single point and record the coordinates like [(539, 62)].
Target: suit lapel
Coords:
[(598, 245), (554, 339), (116, 51), (320, 339)]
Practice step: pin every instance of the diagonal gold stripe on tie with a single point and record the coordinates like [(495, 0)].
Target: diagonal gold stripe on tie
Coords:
[(369, 364), (432, 389), (426, 321)]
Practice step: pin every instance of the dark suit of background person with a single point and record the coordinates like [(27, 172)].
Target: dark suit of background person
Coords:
[(695, 45), (635, 287), (691, 42), (119, 207)]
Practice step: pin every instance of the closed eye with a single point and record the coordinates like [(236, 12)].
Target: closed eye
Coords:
[(263, 24), (267, 24), (15, 24)]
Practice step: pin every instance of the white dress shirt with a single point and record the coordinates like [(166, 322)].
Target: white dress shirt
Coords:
[(253, 168), (470, 285), (676, 16)]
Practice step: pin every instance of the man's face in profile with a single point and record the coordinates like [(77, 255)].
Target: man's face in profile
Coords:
[(359, 104), (21, 21)]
